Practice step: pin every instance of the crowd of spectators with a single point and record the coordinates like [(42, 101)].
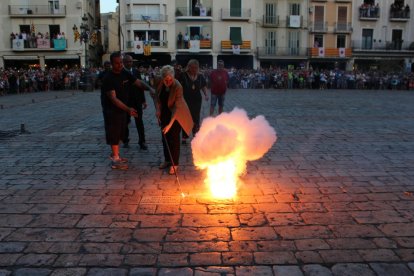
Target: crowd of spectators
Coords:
[(31, 39), (35, 80)]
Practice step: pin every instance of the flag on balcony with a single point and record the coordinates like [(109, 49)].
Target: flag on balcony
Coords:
[(321, 51), (194, 46), (294, 21), (147, 19), (236, 49), (147, 49), (138, 47), (33, 29), (18, 44), (341, 52)]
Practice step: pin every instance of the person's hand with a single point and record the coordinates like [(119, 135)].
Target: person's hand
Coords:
[(144, 105), (206, 97), (167, 128), (132, 112), (152, 92)]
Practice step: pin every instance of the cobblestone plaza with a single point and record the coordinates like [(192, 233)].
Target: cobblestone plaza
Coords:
[(333, 196)]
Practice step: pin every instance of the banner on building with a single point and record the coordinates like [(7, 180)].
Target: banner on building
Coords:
[(138, 47), (203, 11), (18, 44), (236, 49), (59, 44), (321, 52), (147, 49), (43, 43), (294, 21), (341, 52), (194, 46)]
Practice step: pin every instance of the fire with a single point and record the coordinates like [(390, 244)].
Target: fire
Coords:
[(222, 179), (223, 146)]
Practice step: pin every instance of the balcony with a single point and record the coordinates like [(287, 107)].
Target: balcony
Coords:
[(399, 15), (245, 47), (318, 27), (153, 43), (189, 13), (380, 46), (278, 52), (146, 18), (195, 46), (236, 14), (343, 1), (270, 21), (39, 45), (294, 21), (37, 11), (330, 53), (343, 27), (369, 13)]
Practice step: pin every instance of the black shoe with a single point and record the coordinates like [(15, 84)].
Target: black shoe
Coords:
[(143, 146), (126, 146)]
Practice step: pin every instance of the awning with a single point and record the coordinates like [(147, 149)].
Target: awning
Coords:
[(63, 57), (20, 57)]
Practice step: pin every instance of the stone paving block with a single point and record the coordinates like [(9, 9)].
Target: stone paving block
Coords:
[(291, 270), (206, 220), (385, 269), (106, 235), (142, 271), (253, 233), (68, 260), (32, 272), (237, 258), (303, 232), (341, 256), (397, 229), (213, 270), (12, 247), (69, 272), (43, 234), (175, 271), (193, 247), (140, 260), (309, 257), (316, 270), (172, 260), (272, 258), (15, 220), (352, 270), (9, 259), (4, 272), (254, 270), (199, 234), (101, 260), (378, 255), (108, 272), (311, 244), (205, 258), (36, 260)]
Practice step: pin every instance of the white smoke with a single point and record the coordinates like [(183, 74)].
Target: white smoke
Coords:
[(232, 135)]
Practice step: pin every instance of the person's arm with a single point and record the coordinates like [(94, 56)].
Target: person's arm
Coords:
[(118, 103), (145, 86)]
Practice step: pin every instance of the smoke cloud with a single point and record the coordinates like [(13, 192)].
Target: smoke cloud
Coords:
[(232, 135)]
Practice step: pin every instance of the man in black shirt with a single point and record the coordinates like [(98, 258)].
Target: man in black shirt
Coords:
[(114, 99), (136, 101)]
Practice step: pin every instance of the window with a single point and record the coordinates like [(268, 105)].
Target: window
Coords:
[(340, 41), (294, 9), (270, 14), (319, 23), (153, 11), (270, 42), (236, 36), (318, 41), (396, 39), (293, 43), (235, 8), (152, 36), (367, 38)]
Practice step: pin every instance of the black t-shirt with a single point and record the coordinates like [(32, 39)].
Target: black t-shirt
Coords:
[(119, 83)]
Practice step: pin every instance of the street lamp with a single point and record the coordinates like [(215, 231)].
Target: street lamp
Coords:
[(85, 37)]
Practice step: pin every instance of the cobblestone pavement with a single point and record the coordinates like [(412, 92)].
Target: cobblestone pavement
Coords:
[(334, 196)]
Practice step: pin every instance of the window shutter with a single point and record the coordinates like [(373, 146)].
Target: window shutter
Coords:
[(235, 36)]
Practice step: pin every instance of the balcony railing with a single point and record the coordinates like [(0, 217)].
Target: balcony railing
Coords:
[(273, 52), (37, 11), (294, 21), (236, 14), (330, 52), (369, 13), (39, 44), (270, 21), (244, 47), (204, 44), (399, 15), (153, 43), (318, 27), (146, 17), (202, 13), (343, 27), (369, 45)]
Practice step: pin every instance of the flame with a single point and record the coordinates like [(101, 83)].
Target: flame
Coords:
[(222, 179), (223, 146)]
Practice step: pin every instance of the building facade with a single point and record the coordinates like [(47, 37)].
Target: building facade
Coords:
[(383, 35), (49, 33)]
